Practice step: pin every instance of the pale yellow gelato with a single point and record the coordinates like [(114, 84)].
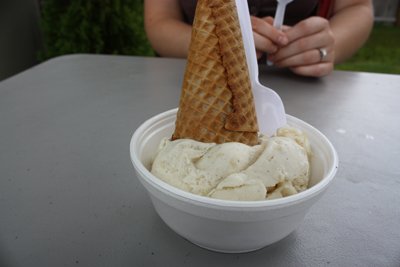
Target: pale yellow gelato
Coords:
[(277, 167)]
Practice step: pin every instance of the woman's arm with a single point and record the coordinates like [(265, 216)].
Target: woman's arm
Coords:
[(351, 25), (297, 49), (165, 29), (170, 36), (340, 36)]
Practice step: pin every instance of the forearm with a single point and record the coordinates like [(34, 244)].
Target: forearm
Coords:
[(170, 38), (168, 34), (351, 27)]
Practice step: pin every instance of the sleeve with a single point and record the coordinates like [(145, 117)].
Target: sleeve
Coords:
[(325, 8)]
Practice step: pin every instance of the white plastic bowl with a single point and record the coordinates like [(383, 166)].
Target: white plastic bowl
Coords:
[(223, 225)]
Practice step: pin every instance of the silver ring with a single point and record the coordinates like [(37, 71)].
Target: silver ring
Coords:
[(322, 53)]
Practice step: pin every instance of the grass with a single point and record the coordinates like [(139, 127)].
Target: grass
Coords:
[(381, 53)]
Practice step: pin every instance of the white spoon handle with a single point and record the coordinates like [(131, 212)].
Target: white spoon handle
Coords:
[(269, 107), (279, 15)]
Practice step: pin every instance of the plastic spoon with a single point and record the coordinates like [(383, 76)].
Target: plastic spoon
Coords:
[(269, 107), (279, 16), (280, 13)]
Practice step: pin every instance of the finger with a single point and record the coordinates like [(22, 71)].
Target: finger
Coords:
[(308, 57), (316, 70), (263, 44), (307, 27), (269, 20), (268, 31), (285, 28), (321, 39)]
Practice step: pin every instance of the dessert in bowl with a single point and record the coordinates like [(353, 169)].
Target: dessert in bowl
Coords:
[(227, 225), (217, 107)]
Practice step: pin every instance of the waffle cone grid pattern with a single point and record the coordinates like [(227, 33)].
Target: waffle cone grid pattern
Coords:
[(216, 103)]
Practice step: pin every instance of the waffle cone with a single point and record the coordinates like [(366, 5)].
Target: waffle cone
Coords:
[(216, 103)]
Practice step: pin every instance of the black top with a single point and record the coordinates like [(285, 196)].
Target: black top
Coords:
[(295, 11)]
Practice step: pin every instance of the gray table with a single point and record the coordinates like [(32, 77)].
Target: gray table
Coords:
[(69, 196)]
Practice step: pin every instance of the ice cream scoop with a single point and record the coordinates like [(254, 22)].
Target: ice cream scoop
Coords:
[(235, 171), (269, 106)]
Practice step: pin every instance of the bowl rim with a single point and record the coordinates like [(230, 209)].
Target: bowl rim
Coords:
[(180, 194)]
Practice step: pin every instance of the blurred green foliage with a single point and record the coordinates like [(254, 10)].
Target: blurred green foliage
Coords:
[(93, 26), (381, 53)]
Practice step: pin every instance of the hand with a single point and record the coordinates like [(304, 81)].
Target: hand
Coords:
[(267, 39), (302, 54)]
